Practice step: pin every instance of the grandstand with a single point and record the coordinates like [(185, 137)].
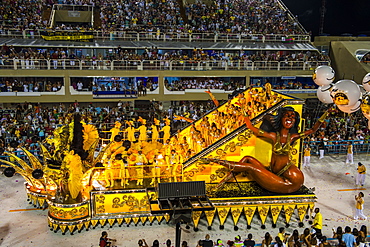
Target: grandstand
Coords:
[(137, 52), (149, 52), (183, 40)]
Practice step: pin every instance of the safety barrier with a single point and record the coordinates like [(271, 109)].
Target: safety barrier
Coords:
[(191, 65), (340, 147)]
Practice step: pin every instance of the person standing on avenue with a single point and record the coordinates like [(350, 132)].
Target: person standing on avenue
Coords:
[(349, 159), (321, 150), (359, 207), (317, 223), (307, 156), (361, 174)]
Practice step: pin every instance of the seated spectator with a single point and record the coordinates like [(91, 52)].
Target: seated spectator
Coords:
[(249, 242)]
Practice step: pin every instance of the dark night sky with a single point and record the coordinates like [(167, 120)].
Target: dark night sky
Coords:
[(342, 16)]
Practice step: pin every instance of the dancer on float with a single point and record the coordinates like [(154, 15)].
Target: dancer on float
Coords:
[(282, 176)]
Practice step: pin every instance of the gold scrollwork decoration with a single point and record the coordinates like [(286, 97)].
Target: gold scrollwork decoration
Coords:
[(222, 213), (235, 212), (101, 209), (275, 211), (116, 203), (144, 204), (196, 214), (289, 210), (249, 212), (100, 199), (301, 210), (220, 173), (263, 211), (220, 152)]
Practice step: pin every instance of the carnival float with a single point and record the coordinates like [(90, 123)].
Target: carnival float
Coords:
[(241, 159)]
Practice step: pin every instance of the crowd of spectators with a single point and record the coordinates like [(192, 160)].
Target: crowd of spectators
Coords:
[(29, 122), (263, 17), (346, 237), (283, 84), (339, 126), (141, 85), (62, 58), (30, 84), (226, 84), (43, 118)]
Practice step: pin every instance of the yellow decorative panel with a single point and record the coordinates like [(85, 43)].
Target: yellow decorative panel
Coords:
[(120, 203), (249, 213), (289, 210), (275, 211), (235, 213), (68, 213)]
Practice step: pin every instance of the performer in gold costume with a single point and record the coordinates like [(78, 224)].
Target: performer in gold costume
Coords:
[(130, 131), (155, 132), (115, 130), (166, 130), (141, 160), (142, 130), (174, 161)]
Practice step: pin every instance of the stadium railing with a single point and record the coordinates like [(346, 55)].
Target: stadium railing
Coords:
[(163, 36), (89, 64), (340, 147)]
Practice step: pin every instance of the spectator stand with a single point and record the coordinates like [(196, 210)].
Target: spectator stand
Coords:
[(114, 87), (183, 85)]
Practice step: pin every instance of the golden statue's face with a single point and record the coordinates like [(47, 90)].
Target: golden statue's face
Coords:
[(341, 99)]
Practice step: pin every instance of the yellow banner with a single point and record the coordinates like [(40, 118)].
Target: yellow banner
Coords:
[(289, 210), (222, 214), (302, 210), (119, 221), (127, 220), (87, 224), (71, 228), (275, 211), (249, 213), (196, 217), (159, 218), (167, 217), (151, 219), (63, 228), (143, 219), (135, 220), (94, 222), (263, 212), (79, 226), (33, 200), (41, 201), (210, 215), (55, 227), (111, 221), (102, 221), (235, 213)]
